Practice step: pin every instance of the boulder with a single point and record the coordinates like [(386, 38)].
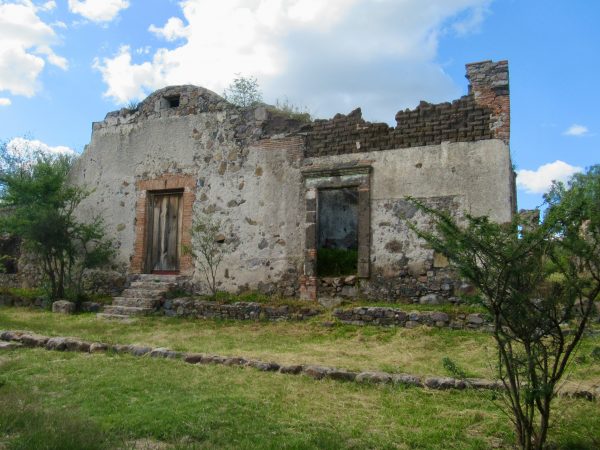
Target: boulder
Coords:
[(431, 299), (294, 369), (316, 372), (63, 307), (9, 345), (374, 377)]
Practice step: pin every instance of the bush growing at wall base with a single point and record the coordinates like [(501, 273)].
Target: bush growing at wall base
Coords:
[(335, 262)]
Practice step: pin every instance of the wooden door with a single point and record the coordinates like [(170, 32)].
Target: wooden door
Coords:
[(164, 232)]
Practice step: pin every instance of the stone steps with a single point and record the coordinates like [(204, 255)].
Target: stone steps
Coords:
[(158, 278), (121, 317), (141, 302), (145, 293), (128, 310), (151, 285), (144, 296)]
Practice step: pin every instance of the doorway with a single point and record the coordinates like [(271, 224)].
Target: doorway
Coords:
[(164, 231), (337, 232)]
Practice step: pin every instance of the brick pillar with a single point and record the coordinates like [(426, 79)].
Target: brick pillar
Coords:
[(488, 82), (308, 282)]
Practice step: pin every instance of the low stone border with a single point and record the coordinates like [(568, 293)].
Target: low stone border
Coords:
[(61, 306), (13, 300), (385, 316), (16, 339), (188, 307)]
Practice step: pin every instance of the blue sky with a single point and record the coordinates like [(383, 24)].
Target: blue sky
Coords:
[(66, 63)]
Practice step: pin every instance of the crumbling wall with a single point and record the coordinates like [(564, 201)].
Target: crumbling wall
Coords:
[(245, 167), (240, 175), (481, 115)]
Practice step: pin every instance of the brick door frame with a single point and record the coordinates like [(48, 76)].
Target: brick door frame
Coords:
[(336, 177), (144, 190)]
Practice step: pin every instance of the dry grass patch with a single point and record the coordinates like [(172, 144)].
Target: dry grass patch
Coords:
[(419, 350)]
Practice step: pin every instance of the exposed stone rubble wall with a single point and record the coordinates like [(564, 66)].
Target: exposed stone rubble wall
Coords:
[(374, 315), (15, 339), (187, 307), (7, 299), (10, 280), (247, 168)]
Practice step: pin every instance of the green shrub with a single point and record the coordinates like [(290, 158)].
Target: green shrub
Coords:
[(335, 262), (453, 369)]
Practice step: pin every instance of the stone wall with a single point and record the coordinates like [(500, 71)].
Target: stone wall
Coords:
[(394, 317), (7, 299), (188, 307), (10, 280), (259, 173)]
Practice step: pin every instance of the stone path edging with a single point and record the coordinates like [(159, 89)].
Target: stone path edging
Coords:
[(14, 339)]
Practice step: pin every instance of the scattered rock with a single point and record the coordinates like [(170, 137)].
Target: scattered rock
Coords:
[(430, 299), (164, 353), (9, 345), (374, 377), (92, 307), (67, 344), (63, 307), (342, 375), (316, 372), (409, 380), (350, 280), (440, 383), (138, 350), (293, 369), (235, 361), (263, 366), (98, 347)]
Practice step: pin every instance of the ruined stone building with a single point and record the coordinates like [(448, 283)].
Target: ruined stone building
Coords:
[(285, 190)]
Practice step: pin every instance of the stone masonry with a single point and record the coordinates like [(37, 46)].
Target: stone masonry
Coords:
[(258, 171)]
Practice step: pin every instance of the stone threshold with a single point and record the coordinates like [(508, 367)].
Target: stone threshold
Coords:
[(10, 340)]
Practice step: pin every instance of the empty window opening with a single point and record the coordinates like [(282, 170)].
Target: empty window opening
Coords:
[(337, 232), (173, 101)]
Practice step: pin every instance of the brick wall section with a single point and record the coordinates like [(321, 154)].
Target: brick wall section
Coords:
[(482, 114), (488, 84), (164, 182)]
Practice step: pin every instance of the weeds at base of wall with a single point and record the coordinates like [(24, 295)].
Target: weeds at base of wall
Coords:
[(335, 262)]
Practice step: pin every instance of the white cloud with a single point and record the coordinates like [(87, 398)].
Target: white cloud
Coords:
[(576, 130), (98, 10), (25, 47), (539, 181), (28, 148), (5, 101), (126, 80), (173, 29), (48, 6), (335, 54)]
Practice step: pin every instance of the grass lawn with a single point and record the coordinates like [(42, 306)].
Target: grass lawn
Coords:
[(73, 400), (418, 351)]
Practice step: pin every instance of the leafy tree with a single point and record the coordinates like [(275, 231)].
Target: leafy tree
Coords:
[(40, 206), (538, 284), (208, 248), (243, 91)]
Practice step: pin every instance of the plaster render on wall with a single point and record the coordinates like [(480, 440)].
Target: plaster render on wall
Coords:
[(248, 167)]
